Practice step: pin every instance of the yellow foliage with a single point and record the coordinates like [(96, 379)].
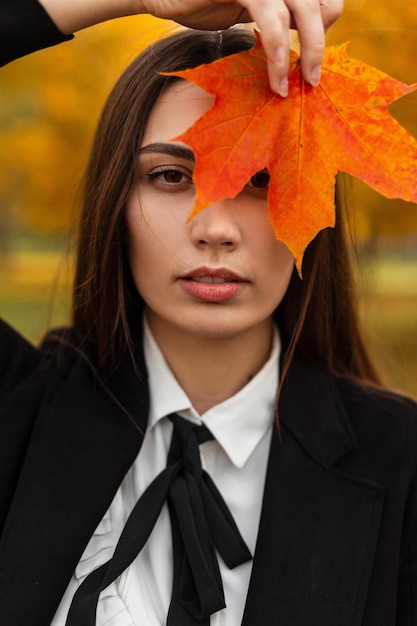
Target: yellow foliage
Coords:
[(50, 102)]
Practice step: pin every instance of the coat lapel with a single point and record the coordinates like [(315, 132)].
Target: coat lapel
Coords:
[(84, 441), (319, 525)]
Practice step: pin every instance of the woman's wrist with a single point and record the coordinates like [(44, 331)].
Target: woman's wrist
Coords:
[(76, 15)]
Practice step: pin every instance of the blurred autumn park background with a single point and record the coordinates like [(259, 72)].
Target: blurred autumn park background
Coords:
[(49, 104)]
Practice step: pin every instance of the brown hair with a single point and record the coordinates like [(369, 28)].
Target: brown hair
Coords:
[(318, 314)]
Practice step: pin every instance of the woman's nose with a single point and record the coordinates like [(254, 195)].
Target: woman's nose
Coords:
[(216, 226)]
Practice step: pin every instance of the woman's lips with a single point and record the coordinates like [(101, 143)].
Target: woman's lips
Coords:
[(212, 285)]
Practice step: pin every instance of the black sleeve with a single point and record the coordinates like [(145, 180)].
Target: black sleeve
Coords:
[(407, 583), (18, 359), (25, 26)]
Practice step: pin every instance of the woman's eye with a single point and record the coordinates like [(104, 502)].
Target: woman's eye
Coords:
[(170, 176), (260, 180)]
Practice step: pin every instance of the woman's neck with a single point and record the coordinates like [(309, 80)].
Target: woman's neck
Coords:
[(212, 370)]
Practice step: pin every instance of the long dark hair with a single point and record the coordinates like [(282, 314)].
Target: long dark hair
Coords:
[(318, 314)]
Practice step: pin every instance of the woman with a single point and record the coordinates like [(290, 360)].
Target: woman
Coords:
[(192, 319)]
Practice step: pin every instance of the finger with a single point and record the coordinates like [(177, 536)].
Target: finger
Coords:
[(278, 67), (330, 10), (308, 21), (273, 21)]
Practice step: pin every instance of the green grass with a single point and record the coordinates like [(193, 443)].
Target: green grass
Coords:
[(35, 296), (389, 313), (35, 292)]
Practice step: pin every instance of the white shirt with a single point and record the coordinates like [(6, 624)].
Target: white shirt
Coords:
[(236, 460)]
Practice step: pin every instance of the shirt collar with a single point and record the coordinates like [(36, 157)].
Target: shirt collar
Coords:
[(239, 423)]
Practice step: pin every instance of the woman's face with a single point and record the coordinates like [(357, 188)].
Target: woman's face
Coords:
[(221, 274)]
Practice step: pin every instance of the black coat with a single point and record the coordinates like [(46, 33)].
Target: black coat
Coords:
[(337, 542)]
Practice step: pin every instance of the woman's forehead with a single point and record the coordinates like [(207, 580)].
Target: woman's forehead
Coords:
[(175, 111)]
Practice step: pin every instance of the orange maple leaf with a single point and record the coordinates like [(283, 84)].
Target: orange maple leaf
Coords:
[(303, 140)]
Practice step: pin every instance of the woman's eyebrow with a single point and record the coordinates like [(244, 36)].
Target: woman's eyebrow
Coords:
[(173, 149)]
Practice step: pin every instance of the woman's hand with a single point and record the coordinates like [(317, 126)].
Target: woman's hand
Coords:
[(274, 19)]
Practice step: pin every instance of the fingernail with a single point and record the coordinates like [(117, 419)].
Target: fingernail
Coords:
[(283, 87), (315, 76)]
